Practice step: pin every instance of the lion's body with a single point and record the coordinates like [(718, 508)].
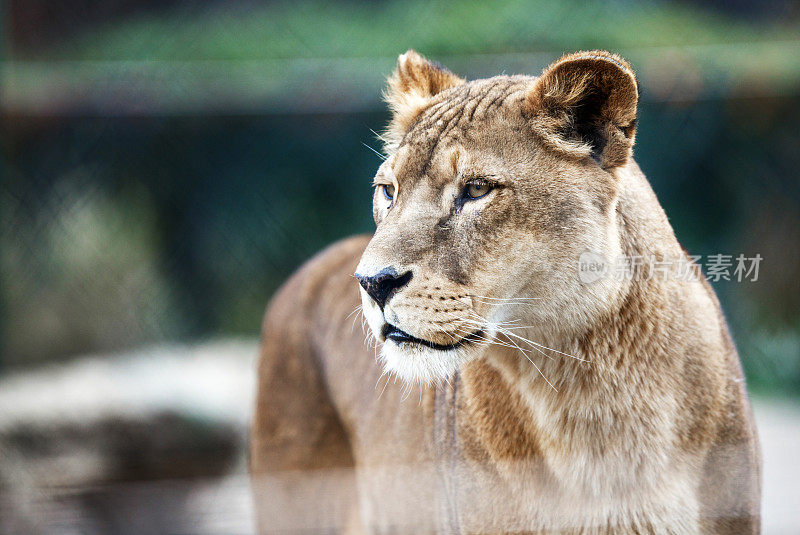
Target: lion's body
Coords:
[(632, 419)]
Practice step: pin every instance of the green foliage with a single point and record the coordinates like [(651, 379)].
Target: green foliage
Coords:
[(120, 230), (315, 29)]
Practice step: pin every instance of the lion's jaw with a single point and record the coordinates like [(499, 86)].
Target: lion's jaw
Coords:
[(444, 332)]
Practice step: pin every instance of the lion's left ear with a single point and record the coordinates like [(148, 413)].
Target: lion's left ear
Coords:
[(409, 89), (585, 104)]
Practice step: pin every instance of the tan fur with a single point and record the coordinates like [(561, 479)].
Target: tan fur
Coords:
[(409, 90), (612, 407)]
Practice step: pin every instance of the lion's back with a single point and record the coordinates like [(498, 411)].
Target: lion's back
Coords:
[(293, 398)]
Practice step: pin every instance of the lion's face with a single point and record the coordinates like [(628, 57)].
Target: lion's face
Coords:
[(480, 223)]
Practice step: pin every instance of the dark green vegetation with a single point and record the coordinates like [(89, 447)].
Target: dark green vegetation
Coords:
[(163, 222)]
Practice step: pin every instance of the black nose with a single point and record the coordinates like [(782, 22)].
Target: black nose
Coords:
[(381, 285)]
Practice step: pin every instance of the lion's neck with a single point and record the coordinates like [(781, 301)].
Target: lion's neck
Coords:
[(564, 412), (616, 344), (575, 387)]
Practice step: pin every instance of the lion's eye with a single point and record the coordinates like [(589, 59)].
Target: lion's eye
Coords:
[(388, 191), (476, 190)]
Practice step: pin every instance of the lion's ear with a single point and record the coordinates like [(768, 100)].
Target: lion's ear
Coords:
[(585, 104), (409, 89)]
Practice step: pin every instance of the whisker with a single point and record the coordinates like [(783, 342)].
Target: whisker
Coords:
[(502, 328), (505, 298), (503, 303), (545, 347), (353, 325), (381, 156), (363, 323), (406, 392), (379, 136), (354, 311), (388, 378), (535, 366), (533, 347), (379, 379), (475, 335)]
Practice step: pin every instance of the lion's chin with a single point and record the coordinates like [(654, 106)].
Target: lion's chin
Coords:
[(418, 364)]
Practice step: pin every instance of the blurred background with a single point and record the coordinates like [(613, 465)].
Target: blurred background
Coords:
[(167, 164)]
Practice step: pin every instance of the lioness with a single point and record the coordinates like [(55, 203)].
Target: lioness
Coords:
[(509, 393)]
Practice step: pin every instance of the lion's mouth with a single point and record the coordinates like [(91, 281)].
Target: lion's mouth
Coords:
[(399, 336)]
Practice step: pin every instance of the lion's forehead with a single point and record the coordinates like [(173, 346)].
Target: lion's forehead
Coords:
[(455, 116), (461, 105)]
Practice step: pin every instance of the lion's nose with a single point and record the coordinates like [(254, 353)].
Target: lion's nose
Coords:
[(381, 285)]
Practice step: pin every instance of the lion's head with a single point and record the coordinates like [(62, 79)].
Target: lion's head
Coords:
[(491, 191)]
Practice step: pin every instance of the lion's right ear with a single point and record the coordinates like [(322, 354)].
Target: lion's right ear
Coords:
[(409, 89), (585, 104)]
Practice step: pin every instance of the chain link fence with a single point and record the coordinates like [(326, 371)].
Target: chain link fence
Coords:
[(167, 164)]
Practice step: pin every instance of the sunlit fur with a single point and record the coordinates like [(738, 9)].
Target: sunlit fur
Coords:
[(617, 406)]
